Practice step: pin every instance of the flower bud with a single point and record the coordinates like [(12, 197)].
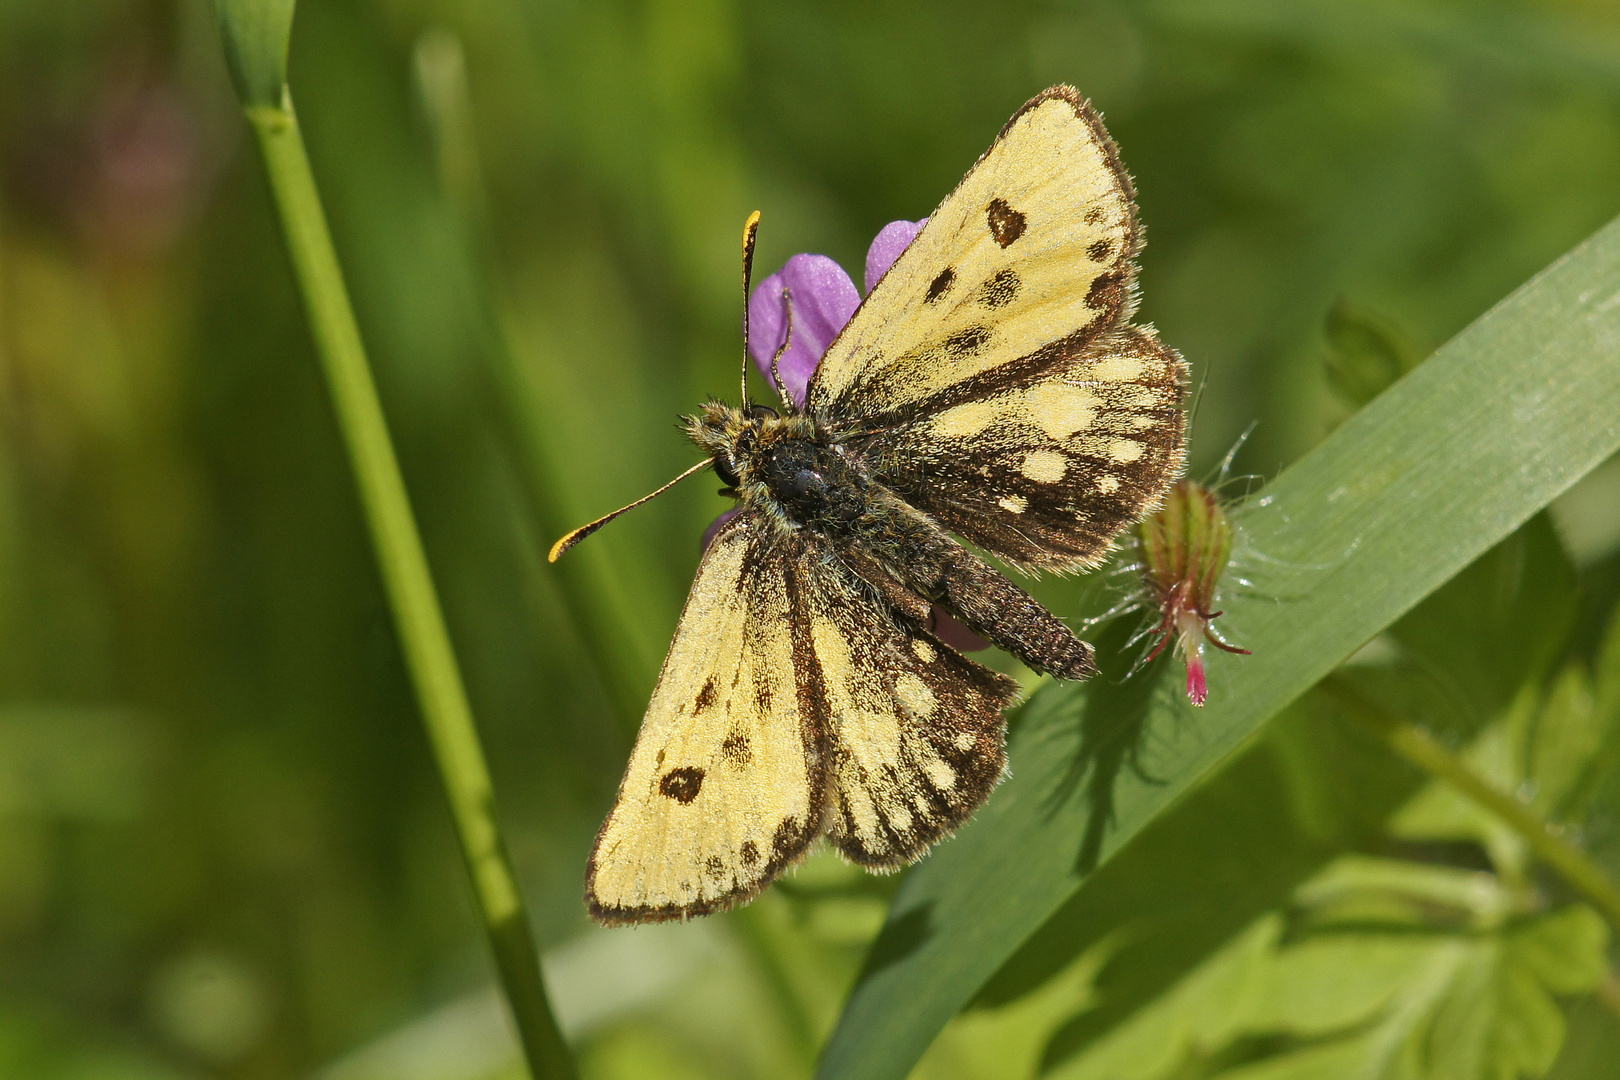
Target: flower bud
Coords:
[(1185, 548)]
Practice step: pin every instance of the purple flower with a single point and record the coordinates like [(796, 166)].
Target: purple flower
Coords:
[(822, 299)]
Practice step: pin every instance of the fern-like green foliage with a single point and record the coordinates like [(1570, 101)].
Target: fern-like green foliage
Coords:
[(1402, 968)]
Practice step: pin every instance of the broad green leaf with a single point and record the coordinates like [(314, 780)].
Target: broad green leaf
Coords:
[(256, 33), (1399, 499), (1379, 968), (1310, 786)]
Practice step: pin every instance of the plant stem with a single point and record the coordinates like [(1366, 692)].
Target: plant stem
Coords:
[(409, 585), (1429, 754)]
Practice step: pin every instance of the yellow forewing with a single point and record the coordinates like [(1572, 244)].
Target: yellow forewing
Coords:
[(724, 786), (1032, 248)]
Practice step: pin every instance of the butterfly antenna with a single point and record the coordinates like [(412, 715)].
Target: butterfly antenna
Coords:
[(776, 357), (750, 229), (561, 546)]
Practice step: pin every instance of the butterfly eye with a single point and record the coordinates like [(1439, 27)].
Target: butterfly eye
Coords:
[(722, 469), (760, 412)]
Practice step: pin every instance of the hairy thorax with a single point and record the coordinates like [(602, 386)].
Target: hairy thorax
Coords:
[(784, 466)]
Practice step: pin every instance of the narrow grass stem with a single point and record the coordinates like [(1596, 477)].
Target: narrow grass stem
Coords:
[(1429, 754), (409, 585)]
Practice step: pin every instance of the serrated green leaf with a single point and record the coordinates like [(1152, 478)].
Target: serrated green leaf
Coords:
[(1142, 905), (1568, 734), (1441, 812), (1309, 787), (1363, 1003), (1359, 890), (256, 34), (1499, 623), (1497, 1020), (1600, 778), (1399, 499), (1565, 950)]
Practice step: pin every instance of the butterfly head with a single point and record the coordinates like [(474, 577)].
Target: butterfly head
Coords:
[(736, 439)]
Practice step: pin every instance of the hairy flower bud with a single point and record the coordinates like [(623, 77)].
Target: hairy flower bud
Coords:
[(1185, 548)]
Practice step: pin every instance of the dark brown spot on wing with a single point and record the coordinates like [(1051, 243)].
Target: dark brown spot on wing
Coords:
[(940, 284), (1099, 251), (966, 343), (1006, 224), (750, 853), (1001, 289), (1095, 215), (737, 749), (1107, 291), (716, 866), (682, 784), (786, 841), (705, 696)]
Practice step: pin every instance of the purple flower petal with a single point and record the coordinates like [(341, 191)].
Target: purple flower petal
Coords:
[(886, 247), (948, 629), (716, 525), (823, 299)]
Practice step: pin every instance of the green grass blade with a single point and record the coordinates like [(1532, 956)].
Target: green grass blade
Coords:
[(1408, 492), (250, 29), (255, 34)]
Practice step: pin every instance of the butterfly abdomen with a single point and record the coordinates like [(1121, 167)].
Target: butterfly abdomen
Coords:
[(929, 562)]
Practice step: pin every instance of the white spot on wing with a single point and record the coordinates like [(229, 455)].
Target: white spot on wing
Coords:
[(914, 695), (1045, 466), (941, 774), (1061, 409), (1123, 450), (1118, 368)]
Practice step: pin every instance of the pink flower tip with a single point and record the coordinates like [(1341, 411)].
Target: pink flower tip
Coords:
[(1197, 690)]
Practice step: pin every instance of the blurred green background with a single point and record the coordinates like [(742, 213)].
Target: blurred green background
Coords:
[(223, 850)]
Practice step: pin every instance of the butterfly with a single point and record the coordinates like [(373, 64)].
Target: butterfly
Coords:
[(990, 386)]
